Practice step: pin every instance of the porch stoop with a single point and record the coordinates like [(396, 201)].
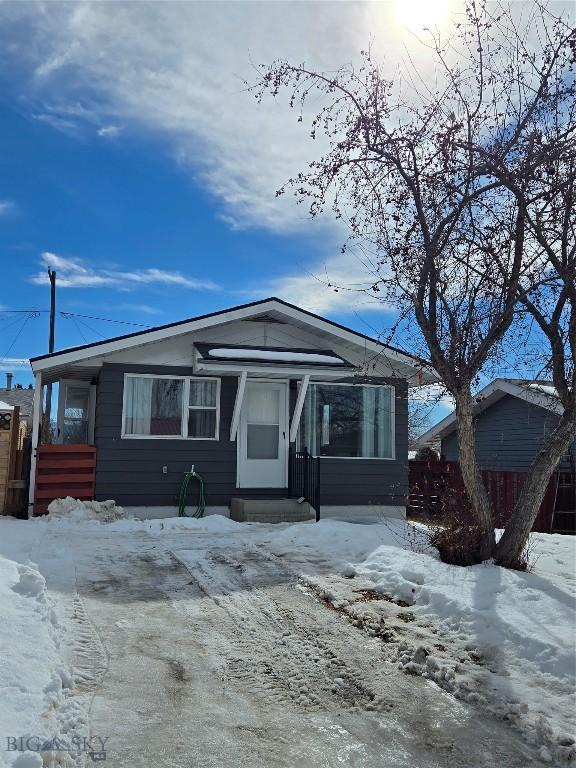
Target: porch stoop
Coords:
[(270, 511)]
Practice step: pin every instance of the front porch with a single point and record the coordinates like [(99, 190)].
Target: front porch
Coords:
[(63, 453), (64, 470)]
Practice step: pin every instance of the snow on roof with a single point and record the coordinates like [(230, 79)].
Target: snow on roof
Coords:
[(283, 356), (546, 389), (5, 406)]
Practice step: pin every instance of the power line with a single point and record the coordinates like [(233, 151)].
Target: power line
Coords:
[(104, 319), (89, 327), (20, 311), (38, 312), (84, 339), (18, 333)]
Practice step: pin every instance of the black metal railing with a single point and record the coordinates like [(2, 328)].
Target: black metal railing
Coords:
[(304, 478)]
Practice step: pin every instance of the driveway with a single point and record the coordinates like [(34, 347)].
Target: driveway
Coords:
[(201, 650)]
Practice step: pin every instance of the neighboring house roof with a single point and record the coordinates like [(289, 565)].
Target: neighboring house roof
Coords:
[(540, 393), (266, 310), (24, 398)]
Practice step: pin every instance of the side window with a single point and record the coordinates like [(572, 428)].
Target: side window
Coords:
[(203, 408)]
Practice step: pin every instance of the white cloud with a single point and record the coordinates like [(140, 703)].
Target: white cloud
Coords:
[(434, 395), (109, 131), (7, 208), (14, 364), (338, 283), (177, 69), (73, 273), (145, 309)]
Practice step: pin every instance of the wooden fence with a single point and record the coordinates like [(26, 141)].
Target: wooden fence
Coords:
[(64, 470), (435, 484), (14, 463)]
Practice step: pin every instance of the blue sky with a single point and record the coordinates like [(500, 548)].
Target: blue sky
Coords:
[(132, 237), (133, 162)]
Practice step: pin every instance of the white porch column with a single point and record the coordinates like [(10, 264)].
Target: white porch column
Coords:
[(36, 419), (238, 405), (298, 407)]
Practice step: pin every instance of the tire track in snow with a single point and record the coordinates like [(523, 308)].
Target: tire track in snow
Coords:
[(281, 651), (88, 656)]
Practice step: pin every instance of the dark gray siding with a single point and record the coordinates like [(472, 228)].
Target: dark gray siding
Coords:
[(372, 481), (508, 435), (130, 471)]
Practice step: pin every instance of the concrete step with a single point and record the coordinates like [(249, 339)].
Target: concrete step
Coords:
[(269, 510)]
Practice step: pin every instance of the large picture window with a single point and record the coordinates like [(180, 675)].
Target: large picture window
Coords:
[(354, 421), (163, 406)]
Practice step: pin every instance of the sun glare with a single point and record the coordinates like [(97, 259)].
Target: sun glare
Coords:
[(418, 14)]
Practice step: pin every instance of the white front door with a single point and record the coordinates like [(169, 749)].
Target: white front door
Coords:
[(263, 436)]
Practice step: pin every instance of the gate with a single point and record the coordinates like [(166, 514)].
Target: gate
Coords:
[(304, 478)]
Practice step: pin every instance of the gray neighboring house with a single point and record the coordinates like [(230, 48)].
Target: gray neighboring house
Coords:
[(512, 418), (16, 396), (232, 393)]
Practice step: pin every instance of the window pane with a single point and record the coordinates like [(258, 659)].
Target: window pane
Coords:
[(263, 406), (262, 441), (153, 406), (76, 406), (203, 393), (201, 423), (75, 431), (353, 421)]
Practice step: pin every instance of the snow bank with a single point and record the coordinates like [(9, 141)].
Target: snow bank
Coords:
[(33, 677), (116, 519), (209, 524), (339, 543), (81, 511), (519, 628)]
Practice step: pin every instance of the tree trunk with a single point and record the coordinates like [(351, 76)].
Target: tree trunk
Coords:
[(471, 474), (515, 536)]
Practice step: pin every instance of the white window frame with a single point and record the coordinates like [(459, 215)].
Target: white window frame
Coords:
[(186, 407), (392, 421)]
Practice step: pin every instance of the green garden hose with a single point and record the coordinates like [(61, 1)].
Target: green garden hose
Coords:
[(184, 493)]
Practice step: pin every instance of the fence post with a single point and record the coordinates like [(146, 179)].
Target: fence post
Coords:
[(13, 453)]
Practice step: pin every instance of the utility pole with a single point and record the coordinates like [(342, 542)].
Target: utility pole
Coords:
[(48, 407)]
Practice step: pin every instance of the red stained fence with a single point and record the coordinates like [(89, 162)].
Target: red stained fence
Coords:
[(63, 470), (435, 484)]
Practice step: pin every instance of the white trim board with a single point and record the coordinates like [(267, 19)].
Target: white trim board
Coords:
[(493, 392)]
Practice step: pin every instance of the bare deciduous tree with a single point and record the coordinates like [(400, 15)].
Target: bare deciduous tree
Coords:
[(434, 172), (549, 297)]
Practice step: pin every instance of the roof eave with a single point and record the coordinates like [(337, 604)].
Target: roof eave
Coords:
[(485, 398), (421, 368)]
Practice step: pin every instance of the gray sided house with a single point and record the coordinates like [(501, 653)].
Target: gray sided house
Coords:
[(234, 394), (512, 419)]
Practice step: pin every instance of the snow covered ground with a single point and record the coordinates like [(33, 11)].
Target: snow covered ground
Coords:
[(354, 637)]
